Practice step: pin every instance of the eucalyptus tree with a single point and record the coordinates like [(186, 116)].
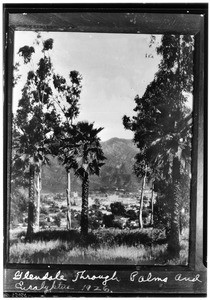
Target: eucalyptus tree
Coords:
[(162, 125), (38, 119), (83, 153), (34, 120), (67, 98)]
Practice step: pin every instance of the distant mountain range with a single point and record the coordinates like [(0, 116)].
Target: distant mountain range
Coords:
[(117, 173)]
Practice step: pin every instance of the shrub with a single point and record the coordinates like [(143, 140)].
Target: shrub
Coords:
[(118, 224), (108, 220), (95, 220), (118, 209), (131, 214), (94, 223)]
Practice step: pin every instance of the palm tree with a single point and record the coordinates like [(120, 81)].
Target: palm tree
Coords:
[(84, 154), (163, 136), (162, 126), (170, 153)]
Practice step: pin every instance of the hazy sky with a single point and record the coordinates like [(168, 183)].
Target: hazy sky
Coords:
[(114, 68)]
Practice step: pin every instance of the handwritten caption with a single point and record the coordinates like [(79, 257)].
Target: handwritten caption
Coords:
[(29, 282)]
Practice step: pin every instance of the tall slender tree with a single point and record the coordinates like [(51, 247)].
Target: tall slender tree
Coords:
[(32, 124), (68, 96), (162, 126), (37, 120)]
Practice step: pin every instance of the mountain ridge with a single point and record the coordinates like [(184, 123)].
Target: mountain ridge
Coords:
[(115, 138), (116, 174)]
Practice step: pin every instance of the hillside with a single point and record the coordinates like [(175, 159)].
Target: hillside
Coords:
[(118, 170), (117, 173)]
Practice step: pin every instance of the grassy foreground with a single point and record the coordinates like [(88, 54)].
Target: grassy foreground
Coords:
[(105, 246)]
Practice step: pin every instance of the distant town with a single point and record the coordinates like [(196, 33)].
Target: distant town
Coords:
[(53, 212)]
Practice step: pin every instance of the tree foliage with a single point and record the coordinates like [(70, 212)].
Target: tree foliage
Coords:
[(162, 207), (162, 124), (47, 103), (36, 114), (118, 209), (26, 52), (82, 152)]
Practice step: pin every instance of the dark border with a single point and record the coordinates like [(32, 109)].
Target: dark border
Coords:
[(205, 187), (147, 7), (201, 55)]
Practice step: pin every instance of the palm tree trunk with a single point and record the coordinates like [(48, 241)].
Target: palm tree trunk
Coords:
[(84, 213), (173, 242), (141, 204), (68, 194), (31, 205)]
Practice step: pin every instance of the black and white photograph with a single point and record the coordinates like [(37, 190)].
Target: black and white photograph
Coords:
[(101, 140), (103, 148)]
